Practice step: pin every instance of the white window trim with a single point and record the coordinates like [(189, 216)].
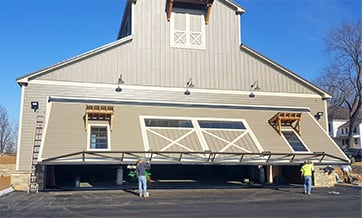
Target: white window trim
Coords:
[(300, 139), (188, 32), (108, 138)]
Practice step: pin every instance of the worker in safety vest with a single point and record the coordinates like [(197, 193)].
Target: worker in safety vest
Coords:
[(306, 173)]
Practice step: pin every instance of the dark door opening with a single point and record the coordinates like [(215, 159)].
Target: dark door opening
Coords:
[(106, 176), (75, 176)]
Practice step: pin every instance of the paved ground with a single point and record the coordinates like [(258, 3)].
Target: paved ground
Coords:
[(339, 201)]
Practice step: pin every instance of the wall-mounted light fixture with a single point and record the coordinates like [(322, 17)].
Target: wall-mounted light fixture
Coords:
[(318, 115), (189, 84), (120, 81), (34, 105), (253, 87)]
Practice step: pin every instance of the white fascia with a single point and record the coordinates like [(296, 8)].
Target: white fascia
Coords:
[(45, 128), (19, 128), (158, 88)]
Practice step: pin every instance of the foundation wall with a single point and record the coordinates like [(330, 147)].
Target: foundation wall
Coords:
[(323, 179)]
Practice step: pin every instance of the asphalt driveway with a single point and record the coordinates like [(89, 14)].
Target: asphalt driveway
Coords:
[(339, 201)]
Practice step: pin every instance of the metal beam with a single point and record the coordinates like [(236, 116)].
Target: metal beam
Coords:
[(184, 157)]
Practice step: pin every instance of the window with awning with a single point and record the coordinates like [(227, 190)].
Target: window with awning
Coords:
[(290, 119), (100, 113)]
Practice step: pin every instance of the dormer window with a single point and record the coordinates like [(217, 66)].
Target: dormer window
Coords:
[(187, 29)]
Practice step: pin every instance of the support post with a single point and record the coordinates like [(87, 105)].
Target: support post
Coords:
[(269, 174), (120, 176)]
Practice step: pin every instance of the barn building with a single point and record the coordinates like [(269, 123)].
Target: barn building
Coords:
[(177, 87)]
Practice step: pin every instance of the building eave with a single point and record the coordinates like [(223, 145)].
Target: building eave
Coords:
[(238, 9)]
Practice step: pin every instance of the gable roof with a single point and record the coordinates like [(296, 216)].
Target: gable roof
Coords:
[(24, 79), (320, 91)]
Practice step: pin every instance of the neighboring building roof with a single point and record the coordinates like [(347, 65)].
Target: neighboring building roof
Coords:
[(341, 113), (346, 124)]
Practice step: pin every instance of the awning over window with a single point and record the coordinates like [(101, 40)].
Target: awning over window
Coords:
[(286, 119), (207, 3), (99, 112)]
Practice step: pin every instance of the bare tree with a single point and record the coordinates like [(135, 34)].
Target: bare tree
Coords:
[(342, 78), (7, 133)]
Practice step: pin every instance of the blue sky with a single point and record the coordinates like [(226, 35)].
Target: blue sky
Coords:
[(35, 34)]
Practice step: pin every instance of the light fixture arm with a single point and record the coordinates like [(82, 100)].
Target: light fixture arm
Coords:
[(253, 87), (120, 81), (189, 84)]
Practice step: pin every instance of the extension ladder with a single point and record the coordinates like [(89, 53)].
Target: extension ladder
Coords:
[(33, 177)]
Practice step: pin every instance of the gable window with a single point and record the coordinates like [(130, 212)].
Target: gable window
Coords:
[(187, 29), (98, 137), (293, 140)]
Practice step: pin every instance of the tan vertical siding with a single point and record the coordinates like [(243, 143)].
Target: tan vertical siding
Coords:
[(65, 131), (28, 123)]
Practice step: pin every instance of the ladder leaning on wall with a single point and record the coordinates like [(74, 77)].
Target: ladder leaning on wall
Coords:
[(33, 177)]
